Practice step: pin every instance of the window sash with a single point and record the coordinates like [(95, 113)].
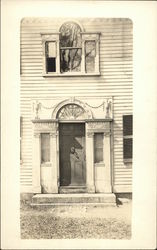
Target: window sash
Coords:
[(70, 60), (45, 147), (98, 147), (54, 38)]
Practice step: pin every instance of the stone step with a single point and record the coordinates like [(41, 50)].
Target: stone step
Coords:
[(73, 199), (72, 189)]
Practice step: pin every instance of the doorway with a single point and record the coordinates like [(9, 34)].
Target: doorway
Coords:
[(72, 162)]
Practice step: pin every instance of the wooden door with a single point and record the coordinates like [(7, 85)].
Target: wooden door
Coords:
[(72, 135)]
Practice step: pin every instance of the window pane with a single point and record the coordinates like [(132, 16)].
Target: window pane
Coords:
[(51, 49), (70, 35), (127, 150), (98, 147), (45, 148), (50, 56), (90, 54), (51, 64), (127, 125), (70, 60)]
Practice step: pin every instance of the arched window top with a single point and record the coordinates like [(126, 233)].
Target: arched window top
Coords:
[(71, 112), (71, 51), (70, 35)]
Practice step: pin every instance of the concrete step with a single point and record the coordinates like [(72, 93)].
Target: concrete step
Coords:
[(73, 199), (72, 189)]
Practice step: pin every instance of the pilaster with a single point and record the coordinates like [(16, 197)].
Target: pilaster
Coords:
[(90, 163), (107, 161), (36, 163), (53, 160)]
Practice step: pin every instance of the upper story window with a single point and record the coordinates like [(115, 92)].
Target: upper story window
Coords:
[(70, 48), (70, 52)]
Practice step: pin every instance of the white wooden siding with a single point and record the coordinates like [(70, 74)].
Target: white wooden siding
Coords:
[(116, 80)]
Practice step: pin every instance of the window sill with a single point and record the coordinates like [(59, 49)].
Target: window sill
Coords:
[(69, 74)]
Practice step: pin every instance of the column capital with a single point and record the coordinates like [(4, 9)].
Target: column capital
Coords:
[(53, 134), (37, 135), (107, 133), (90, 134)]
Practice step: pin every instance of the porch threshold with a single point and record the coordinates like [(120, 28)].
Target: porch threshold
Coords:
[(74, 199)]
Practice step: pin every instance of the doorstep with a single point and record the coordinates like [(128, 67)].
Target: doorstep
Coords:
[(97, 199)]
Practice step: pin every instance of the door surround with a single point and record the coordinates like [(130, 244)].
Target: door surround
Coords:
[(50, 177)]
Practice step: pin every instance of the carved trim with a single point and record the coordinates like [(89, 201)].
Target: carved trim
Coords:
[(53, 134), (107, 133), (109, 108), (37, 135), (50, 37), (44, 126), (72, 20), (98, 125), (72, 100), (90, 134), (91, 36)]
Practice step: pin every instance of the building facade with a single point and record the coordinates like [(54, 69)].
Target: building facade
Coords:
[(76, 105)]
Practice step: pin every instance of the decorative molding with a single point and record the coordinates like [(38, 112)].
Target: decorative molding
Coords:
[(72, 100), (90, 134), (86, 36), (37, 135), (107, 133), (72, 20), (98, 125), (108, 108), (71, 112), (36, 109), (53, 134), (103, 107), (50, 37), (45, 121), (96, 107), (40, 127)]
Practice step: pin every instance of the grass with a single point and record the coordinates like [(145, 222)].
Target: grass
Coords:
[(46, 223)]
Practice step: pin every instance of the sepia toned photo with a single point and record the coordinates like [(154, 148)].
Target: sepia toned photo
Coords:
[(76, 128)]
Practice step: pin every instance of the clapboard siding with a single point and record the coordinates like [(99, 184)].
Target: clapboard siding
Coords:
[(116, 50)]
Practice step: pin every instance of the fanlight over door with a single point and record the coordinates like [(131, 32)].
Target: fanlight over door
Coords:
[(71, 112)]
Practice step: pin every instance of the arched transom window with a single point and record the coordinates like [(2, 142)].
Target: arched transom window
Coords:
[(71, 112), (71, 51)]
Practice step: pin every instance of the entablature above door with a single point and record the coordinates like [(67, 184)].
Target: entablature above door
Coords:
[(73, 108)]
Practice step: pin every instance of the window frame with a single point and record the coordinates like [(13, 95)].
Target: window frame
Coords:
[(44, 162), (127, 160), (50, 37), (100, 162), (86, 36)]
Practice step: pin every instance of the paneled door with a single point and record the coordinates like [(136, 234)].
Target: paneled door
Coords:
[(72, 162)]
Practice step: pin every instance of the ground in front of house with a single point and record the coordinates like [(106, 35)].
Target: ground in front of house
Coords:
[(71, 222)]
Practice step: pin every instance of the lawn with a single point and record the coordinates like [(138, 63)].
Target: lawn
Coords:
[(72, 223)]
